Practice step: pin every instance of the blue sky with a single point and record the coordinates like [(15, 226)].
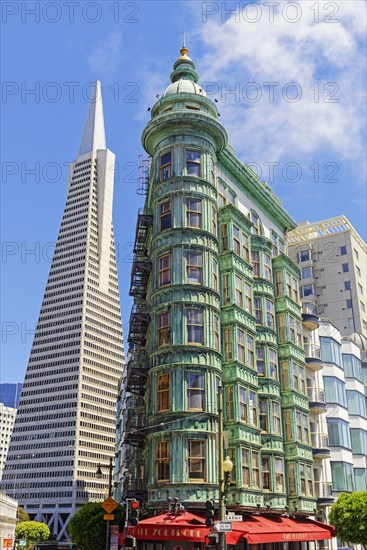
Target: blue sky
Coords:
[(290, 82)]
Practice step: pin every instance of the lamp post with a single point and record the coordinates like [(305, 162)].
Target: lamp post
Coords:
[(99, 476), (225, 468)]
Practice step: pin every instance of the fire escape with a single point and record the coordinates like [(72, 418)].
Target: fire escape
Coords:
[(138, 364)]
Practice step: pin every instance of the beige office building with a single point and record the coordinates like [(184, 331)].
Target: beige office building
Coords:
[(333, 262)]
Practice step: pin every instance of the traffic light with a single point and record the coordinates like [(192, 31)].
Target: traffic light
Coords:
[(134, 512), (130, 542), (212, 540), (209, 513)]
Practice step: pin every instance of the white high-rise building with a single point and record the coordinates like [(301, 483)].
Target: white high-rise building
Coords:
[(7, 417), (66, 420)]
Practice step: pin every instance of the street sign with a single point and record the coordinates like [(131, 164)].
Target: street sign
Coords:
[(233, 517), (109, 517), (223, 526), (109, 505)]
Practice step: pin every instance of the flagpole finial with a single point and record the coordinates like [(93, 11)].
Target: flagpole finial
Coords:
[(184, 50)]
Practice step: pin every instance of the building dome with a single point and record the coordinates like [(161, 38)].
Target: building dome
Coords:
[(359, 340), (183, 86)]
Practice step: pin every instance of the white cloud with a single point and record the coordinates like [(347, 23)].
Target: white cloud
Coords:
[(305, 52), (105, 56)]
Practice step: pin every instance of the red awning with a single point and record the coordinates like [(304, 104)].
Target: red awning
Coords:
[(184, 526), (261, 529)]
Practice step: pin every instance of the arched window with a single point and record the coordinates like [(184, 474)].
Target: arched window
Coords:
[(257, 228)]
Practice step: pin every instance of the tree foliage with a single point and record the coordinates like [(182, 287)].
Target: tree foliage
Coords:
[(32, 532), (349, 516), (88, 528), (22, 515)]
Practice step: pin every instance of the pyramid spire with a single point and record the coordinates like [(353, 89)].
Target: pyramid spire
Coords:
[(94, 136)]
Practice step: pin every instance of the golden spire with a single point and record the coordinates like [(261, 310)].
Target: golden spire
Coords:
[(184, 50)]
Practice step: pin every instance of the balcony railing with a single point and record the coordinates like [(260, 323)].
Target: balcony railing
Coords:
[(312, 350), (319, 441), (323, 489), (309, 308), (316, 394)]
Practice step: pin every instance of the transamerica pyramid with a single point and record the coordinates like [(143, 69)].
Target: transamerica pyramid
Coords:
[(65, 424)]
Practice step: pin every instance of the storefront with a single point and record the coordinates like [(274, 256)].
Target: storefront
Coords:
[(257, 532)]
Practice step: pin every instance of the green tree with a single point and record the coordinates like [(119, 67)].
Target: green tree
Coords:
[(87, 527), (22, 515), (32, 532), (349, 516)]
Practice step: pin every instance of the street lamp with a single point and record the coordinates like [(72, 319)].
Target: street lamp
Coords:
[(99, 476), (225, 468)]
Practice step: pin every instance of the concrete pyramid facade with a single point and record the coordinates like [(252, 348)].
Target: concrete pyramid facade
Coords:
[(65, 424)]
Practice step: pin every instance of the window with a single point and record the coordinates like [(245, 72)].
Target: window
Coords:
[(287, 415), (255, 459), (305, 430), (163, 460), (215, 274), (359, 441), (231, 197), (238, 293), (346, 285), (362, 306), (267, 267), (330, 350), (360, 289), (356, 403), (276, 417), (292, 479), (195, 326), (194, 268), (356, 253), (252, 408), (279, 475), (270, 314), (309, 480), (279, 283), (260, 360), (196, 464), (164, 329), (288, 285), (345, 268), (236, 240), (265, 467), (257, 310), (243, 403), (299, 426), (358, 271), (224, 237), (245, 248), (250, 351), (240, 346), (255, 257), (338, 431), (228, 344), (226, 289), (193, 213), (195, 391), (245, 457), (343, 250), (295, 296), (306, 272), (216, 333), (164, 270), (165, 215), (166, 166), (302, 475), (214, 221), (248, 298), (193, 163), (349, 303), (350, 322), (273, 362), (304, 255), (256, 229), (263, 415), (335, 391), (229, 403), (352, 366), (221, 195), (360, 478), (163, 392), (342, 476), (307, 290)]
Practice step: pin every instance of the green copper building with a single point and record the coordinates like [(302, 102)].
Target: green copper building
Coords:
[(215, 304)]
